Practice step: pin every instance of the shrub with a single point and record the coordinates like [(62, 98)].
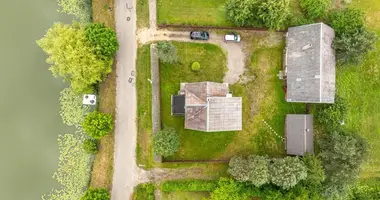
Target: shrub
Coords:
[(144, 192), (342, 154), (189, 186), (72, 58), (287, 172), (229, 189), (351, 47), (243, 12), (167, 52), (274, 13), (332, 116), (195, 66), (166, 142), (253, 169), (90, 146), (97, 124), (346, 21), (103, 40), (96, 194), (81, 9), (74, 168), (72, 110), (315, 171), (315, 8)]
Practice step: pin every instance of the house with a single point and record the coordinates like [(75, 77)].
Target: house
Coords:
[(299, 134), (208, 106), (309, 64)]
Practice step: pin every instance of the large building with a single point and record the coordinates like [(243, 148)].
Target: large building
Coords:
[(309, 64), (208, 106)]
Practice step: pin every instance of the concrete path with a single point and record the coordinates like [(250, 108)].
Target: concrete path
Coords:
[(126, 172), (235, 55)]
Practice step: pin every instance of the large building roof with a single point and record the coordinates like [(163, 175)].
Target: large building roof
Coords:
[(310, 64), (299, 134), (209, 107)]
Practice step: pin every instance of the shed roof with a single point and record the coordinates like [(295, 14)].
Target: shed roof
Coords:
[(310, 64), (299, 134), (178, 104)]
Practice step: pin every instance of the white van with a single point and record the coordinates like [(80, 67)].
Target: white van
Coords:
[(232, 37)]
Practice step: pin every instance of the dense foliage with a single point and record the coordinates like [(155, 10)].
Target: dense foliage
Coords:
[(252, 169), (243, 12), (195, 66), (189, 186), (96, 194), (167, 52), (74, 168), (274, 13), (72, 110), (97, 124), (166, 142), (287, 172), (81, 9), (90, 146), (102, 39), (228, 189), (332, 116), (351, 47), (346, 21), (342, 154), (315, 172), (144, 192), (72, 58), (315, 9)]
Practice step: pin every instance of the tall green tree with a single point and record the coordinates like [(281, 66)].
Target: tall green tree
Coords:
[(315, 171), (315, 9), (81, 9), (287, 172), (102, 39), (342, 155), (72, 58), (228, 189), (166, 142), (274, 13), (252, 169)]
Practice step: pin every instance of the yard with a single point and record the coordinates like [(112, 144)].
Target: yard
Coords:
[(184, 195)]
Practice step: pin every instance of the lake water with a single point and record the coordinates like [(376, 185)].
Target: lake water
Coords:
[(29, 105)]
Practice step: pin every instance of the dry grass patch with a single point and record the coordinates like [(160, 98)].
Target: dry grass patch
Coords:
[(103, 11)]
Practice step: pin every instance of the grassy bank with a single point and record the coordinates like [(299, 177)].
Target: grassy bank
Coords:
[(142, 12)]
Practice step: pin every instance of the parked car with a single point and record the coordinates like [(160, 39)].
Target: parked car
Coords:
[(232, 37), (199, 35)]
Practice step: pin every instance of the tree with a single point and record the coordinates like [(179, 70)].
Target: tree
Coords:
[(166, 142), (351, 47), (72, 58), (342, 154), (274, 13), (287, 172), (167, 52), (97, 124), (315, 8), (72, 110), (102, 39), (243, 12), (346, 21), (228, 189), (253, 169), (96, 194), (90, 146), (315, 172), (81, 9)]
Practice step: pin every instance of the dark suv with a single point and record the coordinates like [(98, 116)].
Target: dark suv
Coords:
[(199, 35)]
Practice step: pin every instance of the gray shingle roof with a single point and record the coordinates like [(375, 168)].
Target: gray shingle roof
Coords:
[(310, 64), (299, 134), (208, 107)]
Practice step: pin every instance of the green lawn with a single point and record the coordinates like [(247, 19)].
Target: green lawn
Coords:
[(194, 12), (142, 12), (184, 195)]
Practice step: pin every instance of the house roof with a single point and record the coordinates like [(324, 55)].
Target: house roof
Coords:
[(299, 134), (310, 64), (178, 104), (209, 107)]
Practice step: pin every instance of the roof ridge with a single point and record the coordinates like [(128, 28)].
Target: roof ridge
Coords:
[(195, 96), (196, 113)]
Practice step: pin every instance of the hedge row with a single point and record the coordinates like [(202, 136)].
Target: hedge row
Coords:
[(144, 192), (189, 186)]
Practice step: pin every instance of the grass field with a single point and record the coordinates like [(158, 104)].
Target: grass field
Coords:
[(185, 195), (142, 12), (102, 170)]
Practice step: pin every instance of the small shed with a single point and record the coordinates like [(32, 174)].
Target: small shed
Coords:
[(299, 134), (178, 105)]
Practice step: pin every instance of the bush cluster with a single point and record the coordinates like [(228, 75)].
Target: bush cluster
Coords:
[(96, 194), (195, 66), (144, 192), (332, 116), (167, 52), (90, 146), (315, 9), (97, 124), (166, 142), (189, 186)]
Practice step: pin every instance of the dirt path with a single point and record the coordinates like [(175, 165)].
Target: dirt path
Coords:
[(235, 55)]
